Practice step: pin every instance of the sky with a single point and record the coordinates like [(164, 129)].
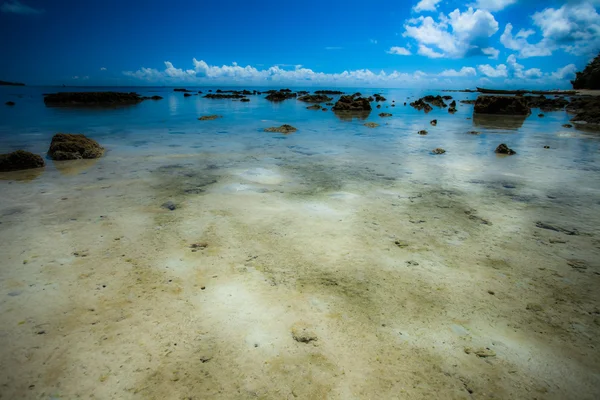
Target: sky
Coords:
[(351, 43)]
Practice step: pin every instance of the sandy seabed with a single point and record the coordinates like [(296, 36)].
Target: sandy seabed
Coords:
[(280, 279)]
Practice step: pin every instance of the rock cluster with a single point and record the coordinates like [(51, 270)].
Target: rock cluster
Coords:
[(503, 105)]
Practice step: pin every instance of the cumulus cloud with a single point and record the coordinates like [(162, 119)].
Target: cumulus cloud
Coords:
[(401, 51), (464, 71), (574, 28), (202, 72), (493, 5), (566, 72), (488, 70), (491, 52), (455, 35), (102, 68), (518, 71), (16, 7), (426, 5)]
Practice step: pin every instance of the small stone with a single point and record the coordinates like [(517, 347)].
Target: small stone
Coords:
[(481, 352), (422, 132), (533, 307), (383, 115), (473, 133), (209, 117), (540, 115), (303, 335), (202, 287), (438, 150), (169, 205), (10, 103), (401, 243), (503, 149), (433, 122), (546, 147), (371, 125), (491, 292)]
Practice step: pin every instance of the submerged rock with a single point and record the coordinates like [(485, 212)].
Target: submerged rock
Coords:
[(371, 125), (329, 104), (20, 160), (350, 103), (209, 117), (503, 149), (285, 129), (438, 150), (66, 146), (314, 107), (244, 100), (383, 115), (540, 115), (315, 98), (10, 103), (447, 97), (503, 105), (91, 99)]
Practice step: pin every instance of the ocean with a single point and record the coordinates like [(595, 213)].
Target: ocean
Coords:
[(339, 261)]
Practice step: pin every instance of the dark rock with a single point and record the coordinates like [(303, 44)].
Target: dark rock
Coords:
[(324, 109), (439, 150), (328, 92), (503, 149), (285, 129), (589, 78), (302, 92), (383, 115), (546, 147), (586, 109), (357, 94), (544, 103), (187, 95), (91, 99), (315, 98), (503, 105), (393, 105), (422, 132), (223, 96), (245, 100), (378, 105), (379, 97), (421, 105), (447, 97), (371, 99), (451, 110), (453, 104), (567, 126), (404, 103), (5, 83), (435, 100), (468, 101), (473, 133), (371, 125), (19, 160), (352, 104), (209, 117), (181, 90), (156, 98), (66, 146), (314, 107), (433, 122), (541, 115), (329, 104), (199, 91), (10, 103), (281, 95), (169, 205)]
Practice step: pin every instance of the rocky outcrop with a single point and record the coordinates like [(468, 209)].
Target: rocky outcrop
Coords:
[(328, 92), (546, 104), (379, 97), (352, 104), (589, 78), (209, 117), (91, 99), (421, 105), (66, 146), (383, 115), (285, 129), (281, 95), (501, 105), (19, 160), (447, 97), (503, 149), (586, 109), (223, 96), (314, 107), (187, 95), (452, 108), (468, 101), (437, 101), (315, 98), (154, 98)]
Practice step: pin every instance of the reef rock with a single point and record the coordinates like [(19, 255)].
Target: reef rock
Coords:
[(282, 95), (314, 107), (421, 105), (503, 149), (285, 129), (19, 160), (223, 96), (66, 146), (503, 105), (371, 125), (315, 98), (352, 104)]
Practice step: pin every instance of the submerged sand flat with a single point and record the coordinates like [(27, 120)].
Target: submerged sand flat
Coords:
[(286, 276)]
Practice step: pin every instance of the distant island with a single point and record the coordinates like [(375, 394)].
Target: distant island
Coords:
[(4, 83)]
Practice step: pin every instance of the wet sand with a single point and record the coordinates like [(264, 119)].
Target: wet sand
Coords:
[(298, 276)]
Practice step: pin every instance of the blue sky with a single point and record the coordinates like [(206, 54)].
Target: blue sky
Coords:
[(413, 43)]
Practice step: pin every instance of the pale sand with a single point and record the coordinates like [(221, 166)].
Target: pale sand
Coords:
[(293, 253)]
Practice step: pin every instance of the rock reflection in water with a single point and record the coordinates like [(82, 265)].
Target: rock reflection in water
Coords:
[(488, 121)]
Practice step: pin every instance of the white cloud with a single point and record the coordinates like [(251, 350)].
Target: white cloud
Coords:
[(533, 73), (103, 69), (454, 36), (574, 28), (521, 45), (566, 72), (401, 51), (202, 73), (491, 52), (488, 70), (373, 41), (464, 71), (16, 7), (518, 71), (428, 52), (426, 5), (493, 5)]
